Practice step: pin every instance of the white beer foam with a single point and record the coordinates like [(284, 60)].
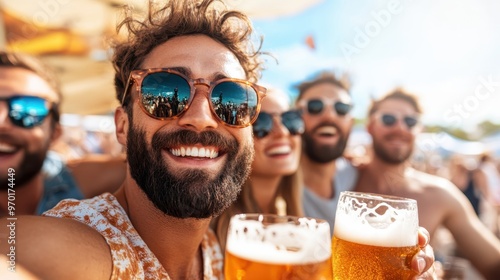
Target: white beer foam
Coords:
[(363, 225), (280, 243)]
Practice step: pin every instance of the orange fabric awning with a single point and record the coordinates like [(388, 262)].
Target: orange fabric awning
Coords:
[(22, 36)]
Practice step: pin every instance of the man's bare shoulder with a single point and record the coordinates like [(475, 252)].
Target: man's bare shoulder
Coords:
[(54, 248), (436, 188), (429, 181)]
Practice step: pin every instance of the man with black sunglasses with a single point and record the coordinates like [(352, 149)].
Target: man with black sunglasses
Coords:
[(325, 102), (181, 64), (393, 123), (29, 124)]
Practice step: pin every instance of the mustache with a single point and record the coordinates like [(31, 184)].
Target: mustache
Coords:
[(189, 137), (397, 135), (9, 139)]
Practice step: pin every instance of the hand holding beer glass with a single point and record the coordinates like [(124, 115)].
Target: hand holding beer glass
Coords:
[(261, 246), (375, 237)]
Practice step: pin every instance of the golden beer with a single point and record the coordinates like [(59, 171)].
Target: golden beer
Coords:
[(375, 237), (276, 247), (237, 268), (359, 261)]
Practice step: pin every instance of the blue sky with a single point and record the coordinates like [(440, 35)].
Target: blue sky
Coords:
[(447, 52)]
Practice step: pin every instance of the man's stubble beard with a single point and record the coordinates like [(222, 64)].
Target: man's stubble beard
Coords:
[(391, 158), (30, 166), (190, 193)]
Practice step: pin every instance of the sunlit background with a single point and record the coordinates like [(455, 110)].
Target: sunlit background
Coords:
[(447, 52)]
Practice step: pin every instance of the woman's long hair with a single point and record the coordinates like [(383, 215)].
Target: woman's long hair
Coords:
[(287, 201)]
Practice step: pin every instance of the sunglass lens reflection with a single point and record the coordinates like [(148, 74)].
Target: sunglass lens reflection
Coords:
[(388, 120), (234, 103), (263, 125), (342, 108), (165, 94), (314, 107), (28, 111), (293, 122), (410, 122)]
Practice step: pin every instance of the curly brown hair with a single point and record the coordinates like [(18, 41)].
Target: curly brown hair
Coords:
[(179, 18)]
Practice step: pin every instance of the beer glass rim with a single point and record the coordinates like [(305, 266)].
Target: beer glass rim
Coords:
[(274, 217), (377, 196)]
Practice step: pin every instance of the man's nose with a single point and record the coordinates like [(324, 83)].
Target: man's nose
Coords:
[(199, 114)]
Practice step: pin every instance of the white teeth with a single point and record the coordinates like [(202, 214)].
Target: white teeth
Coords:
[(327, 130), (194, 152), (6, 148), (281, 150)]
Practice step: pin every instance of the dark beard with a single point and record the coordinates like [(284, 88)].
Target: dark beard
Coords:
[(385, 156), (30, 166), (192, 193), (324, 153)]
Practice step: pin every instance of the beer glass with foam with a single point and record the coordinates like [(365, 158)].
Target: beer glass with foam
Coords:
[(261, 246), (375, 237)]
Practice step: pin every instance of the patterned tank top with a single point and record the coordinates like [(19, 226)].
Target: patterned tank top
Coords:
[(132, 259)]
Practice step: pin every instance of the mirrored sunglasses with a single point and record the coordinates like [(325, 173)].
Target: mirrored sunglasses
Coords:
[(316, 106), (166, 94), (390, 120), (27, 111), (292, 120)]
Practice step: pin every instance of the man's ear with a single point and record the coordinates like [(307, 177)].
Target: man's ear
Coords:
[(122, 125)]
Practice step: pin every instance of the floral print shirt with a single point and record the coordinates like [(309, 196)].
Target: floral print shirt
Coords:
[(132, 259)]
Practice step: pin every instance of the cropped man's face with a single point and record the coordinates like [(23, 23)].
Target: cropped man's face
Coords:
[(24, 140)]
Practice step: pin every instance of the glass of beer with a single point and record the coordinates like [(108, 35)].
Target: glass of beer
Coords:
[(261, 246), (374, 237)]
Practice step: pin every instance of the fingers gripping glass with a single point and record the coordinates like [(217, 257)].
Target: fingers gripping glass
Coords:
[(390, 120), (27, 111), (166, 94), (292, 120), (316, 106)]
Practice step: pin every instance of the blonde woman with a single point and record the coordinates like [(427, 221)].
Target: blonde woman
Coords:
[(274, 186)]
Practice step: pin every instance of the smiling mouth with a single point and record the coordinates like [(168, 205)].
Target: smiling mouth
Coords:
[(281, 150), (7, 148), (329, 131), (193, 151)]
